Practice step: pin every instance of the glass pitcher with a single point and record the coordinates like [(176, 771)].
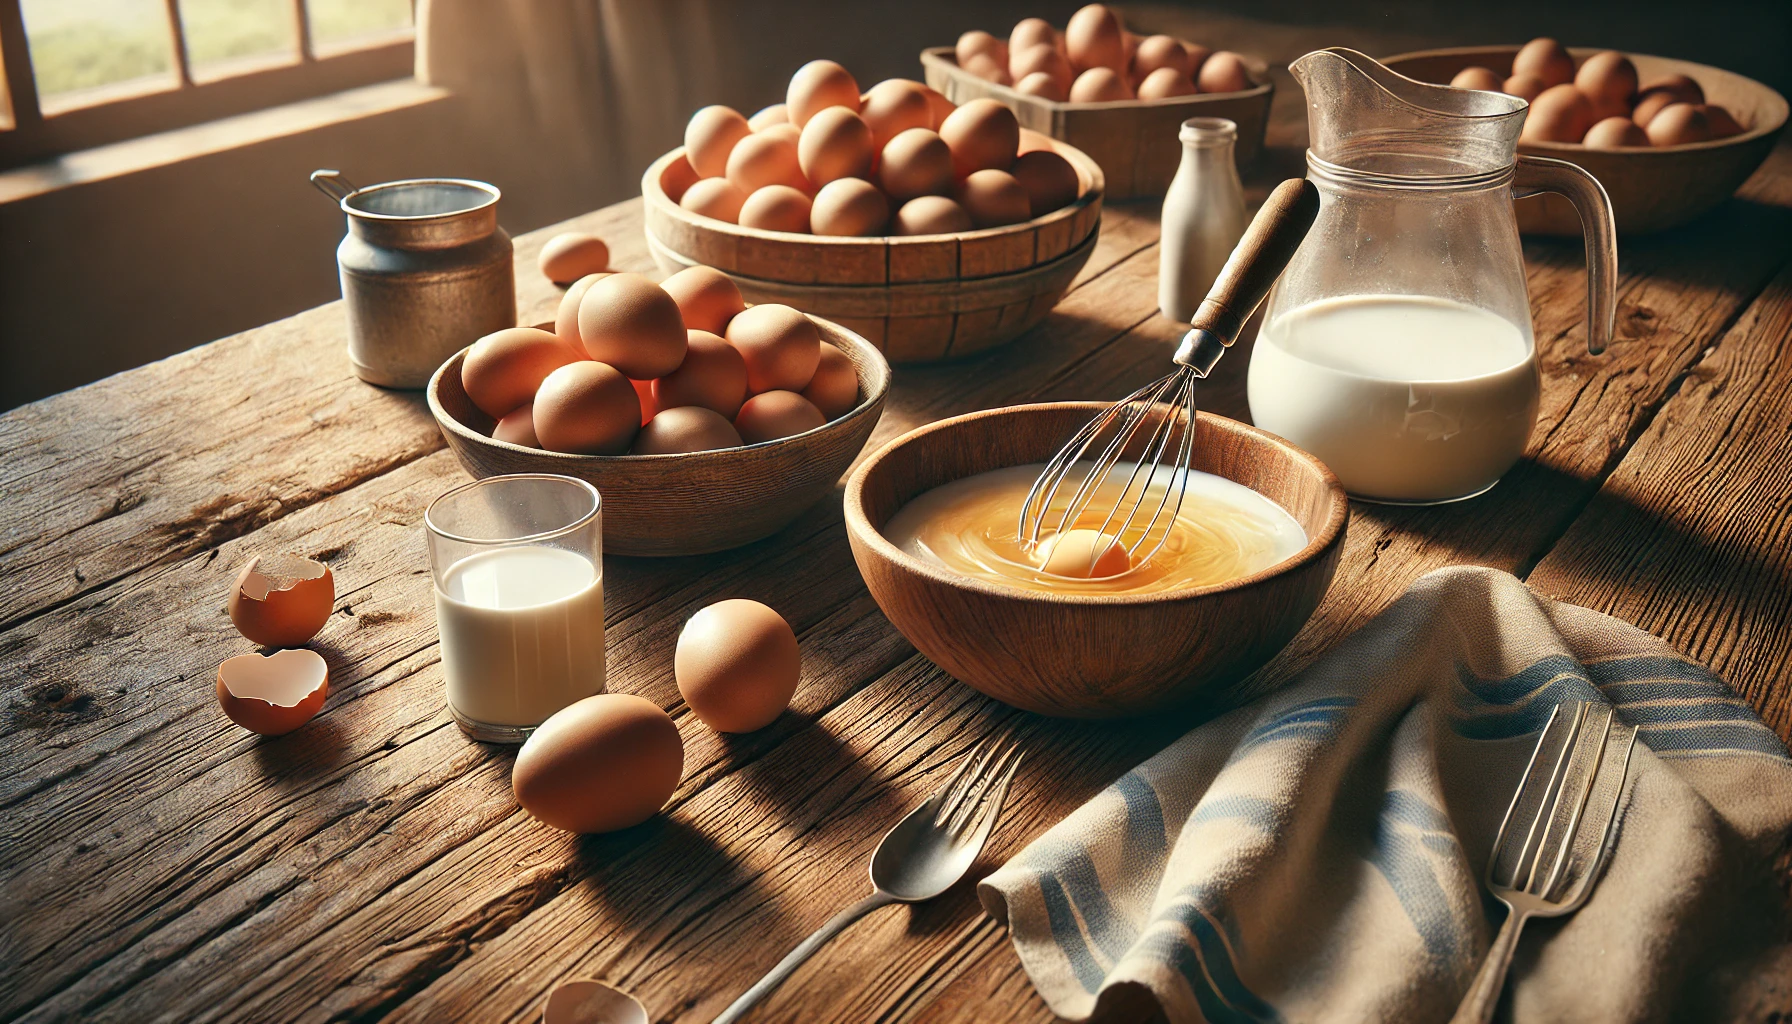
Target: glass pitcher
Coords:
[(1397, 345)]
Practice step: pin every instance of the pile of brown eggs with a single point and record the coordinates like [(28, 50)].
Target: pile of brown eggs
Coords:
[(1096, 60), (1601, 104), (638, 368), (897, 160)]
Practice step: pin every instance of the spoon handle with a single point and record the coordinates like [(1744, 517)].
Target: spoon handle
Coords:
[(787, 966)]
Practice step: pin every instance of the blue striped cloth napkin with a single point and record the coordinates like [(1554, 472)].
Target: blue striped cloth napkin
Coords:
[(1317, 855)]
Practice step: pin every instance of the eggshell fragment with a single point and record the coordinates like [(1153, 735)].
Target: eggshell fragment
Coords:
[(892, 107), (710, 136), (836, 143), (1476, 78), (714, 197), (518, 427), (1093, 39), (604, 763), (587, 408), (849, 207), (766, 158), (629, 322), (502, 370), (1049, 180), (713, 375), (773, 414), (1100, 85), (566, 319), (818, 85), (982, 135), (683, 429), (777, 208), (915, 163), (780, 345), (835, 387), (1165, 83), (737, 665), (1225, 71), (931, 215), (993, 198), (1545, 58), (276, 694), (706, 297), (1617, 132), (282, 600)]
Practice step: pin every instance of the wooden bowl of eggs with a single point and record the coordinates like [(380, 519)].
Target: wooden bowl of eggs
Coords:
[(1075, 653), (1115, 95), (1699, 131), (699, 438), (935, 232)]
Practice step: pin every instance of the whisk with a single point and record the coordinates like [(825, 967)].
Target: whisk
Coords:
[(1166, 407)]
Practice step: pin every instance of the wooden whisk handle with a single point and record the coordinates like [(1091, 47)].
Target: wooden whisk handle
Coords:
[(1267, 246)]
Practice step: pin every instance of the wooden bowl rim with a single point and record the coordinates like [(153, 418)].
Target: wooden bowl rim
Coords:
[(1685, 67), (858, 524), (653, 194), (873, 402), (1258, 68)]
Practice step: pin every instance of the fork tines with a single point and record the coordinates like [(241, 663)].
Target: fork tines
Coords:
[(976, 790)]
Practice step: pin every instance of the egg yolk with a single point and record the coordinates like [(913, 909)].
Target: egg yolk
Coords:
[(1084, 555)]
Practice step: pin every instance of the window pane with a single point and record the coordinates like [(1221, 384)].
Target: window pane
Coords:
[(227, 36), (87, 50), (339, 24)]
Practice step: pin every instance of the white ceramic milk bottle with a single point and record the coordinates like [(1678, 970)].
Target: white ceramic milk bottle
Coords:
[(1203, 216)]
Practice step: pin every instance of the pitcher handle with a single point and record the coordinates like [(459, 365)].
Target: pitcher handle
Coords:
[(1541, 174)]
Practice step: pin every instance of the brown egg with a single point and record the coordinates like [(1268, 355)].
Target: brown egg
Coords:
[(774, 414), (632, 324), (1476, 78), (766, 158), (1662, 93), (600, 764), (1164, 83), (777, 113), (517, 427), (1049, 180), (282, 600), (939, 108), (916, 163), (1225, 71), (836, 143), (835, 387), (713, 375), (710, 137), (276, 694), (977, 41), (780, 345), (1615, 133), (644, 395), (707, 298), (1723, 125), (993, 198), (931, 215), (1157, 52), (816, 86), (714, 197), (1042, 85), (988, 68), (776, 208), (566, 319), (1608, 79), (737, 665), (571, 255), (587, 408), (849, 206), (502, 370), (1197, 58), (1525, 87), (1030, 32), (1092, 39), (1679, 124), (892, 107), (1561, 113), (1547, 60), (1099, 85), (686, 428), (1042, 59), (982, 135)]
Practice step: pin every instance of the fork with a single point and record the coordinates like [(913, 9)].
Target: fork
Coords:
[(925, 854), (1556, 834)]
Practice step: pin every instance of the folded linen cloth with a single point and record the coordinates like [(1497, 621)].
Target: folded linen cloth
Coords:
[(1317, 855)]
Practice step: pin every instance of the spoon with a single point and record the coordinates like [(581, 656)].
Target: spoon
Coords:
[(591, 1002)]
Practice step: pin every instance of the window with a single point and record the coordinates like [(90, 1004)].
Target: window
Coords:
[(84, 73)]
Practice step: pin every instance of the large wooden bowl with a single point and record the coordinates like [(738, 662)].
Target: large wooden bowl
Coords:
[(1134, 141), (1090, 656), (685, 504), (919, 299), (1651, 189)]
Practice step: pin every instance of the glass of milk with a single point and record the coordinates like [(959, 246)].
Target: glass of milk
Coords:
[(518, 567)]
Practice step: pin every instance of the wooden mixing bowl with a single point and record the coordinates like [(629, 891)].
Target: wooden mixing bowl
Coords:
[(685, 504), (1651, 189), (919, 299), (1082, 656)]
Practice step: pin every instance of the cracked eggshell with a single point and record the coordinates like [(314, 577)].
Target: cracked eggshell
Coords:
[(282, 600), (274, 694)]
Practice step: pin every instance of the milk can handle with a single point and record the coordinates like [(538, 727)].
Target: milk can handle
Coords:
[(1541, 174), (333, 184)]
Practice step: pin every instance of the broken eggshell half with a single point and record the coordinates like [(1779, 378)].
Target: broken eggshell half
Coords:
[(282, 600), (273, 694)]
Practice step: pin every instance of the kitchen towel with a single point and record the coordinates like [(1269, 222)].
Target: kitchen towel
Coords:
[(1318, 855)]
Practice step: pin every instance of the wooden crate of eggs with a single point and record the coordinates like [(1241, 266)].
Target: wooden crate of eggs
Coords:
[(1669, 139), (1115, 95)]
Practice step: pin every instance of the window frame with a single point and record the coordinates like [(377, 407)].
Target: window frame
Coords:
[(28, 136)]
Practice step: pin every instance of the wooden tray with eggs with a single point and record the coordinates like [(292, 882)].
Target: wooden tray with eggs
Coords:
[(1115, 95), (1663, 174)]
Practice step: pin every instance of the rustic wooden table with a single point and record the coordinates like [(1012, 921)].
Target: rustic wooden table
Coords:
[(158, 863)]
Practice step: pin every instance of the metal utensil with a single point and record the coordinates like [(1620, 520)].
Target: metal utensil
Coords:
[(1555, 836), (1168, 404), (927, 852)]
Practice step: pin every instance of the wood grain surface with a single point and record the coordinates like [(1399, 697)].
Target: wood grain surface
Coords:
[(158, 863)]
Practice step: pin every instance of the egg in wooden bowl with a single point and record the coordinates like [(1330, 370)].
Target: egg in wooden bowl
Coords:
[(1090, 644)]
